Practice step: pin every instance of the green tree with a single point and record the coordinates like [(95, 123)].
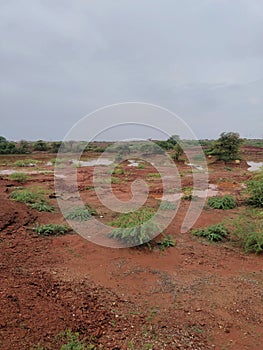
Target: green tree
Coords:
[(227, 146), (40, 145)]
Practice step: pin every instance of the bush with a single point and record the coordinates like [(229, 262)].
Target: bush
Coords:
[(25, 162), (227, 146), (213, 233), (166, 242), (19, 177), (51, 229), (225, 202)]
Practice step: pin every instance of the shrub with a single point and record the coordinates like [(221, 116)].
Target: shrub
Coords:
[(19, 177), (225, 202), (227, 146), (255, 189), (28, 196), (213, 233), (247, 230), (51, 229)]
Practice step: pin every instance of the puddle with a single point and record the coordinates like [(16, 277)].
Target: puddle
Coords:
[(254, 166), (93, 162)]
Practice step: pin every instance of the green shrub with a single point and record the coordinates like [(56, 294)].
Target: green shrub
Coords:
[(81, 213), (247, 230), (141, 166), (19, 177), (25, 162), (166, 242), (225, 202), (213, 233), (166, 205), (42, 206), (255, 189), (134, 228), (28, 196), (51, 229)]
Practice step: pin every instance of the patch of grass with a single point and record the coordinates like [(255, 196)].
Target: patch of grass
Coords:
[(73, 342), (224, 202), (166, 205), (26, 162), (134, 228), (81, 213), (187, 193), (43, 206), (152, 176), (28, 196), (167, 242), (51, 229), (141, 166), (255, 190), (247, 231), (115, 180), (118, 171), (19, 177), (213, 233)]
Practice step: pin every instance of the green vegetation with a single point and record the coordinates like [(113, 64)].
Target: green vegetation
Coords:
[(166, 205), (134, 228), (51, 229), (226, 147), (187, 193), (224, 202), (73, 342), (167, 242), (247, 230), (255, 189), (81, 213), (28, 196), (213, 233), (43, 206), (19, 177), (152, 176), (25, 162)]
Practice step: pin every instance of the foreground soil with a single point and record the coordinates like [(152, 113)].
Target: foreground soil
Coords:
[(196, 295)]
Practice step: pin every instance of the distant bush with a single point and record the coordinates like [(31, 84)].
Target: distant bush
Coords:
[(224, 202), (51, 229), (19, 177), (213, 233)]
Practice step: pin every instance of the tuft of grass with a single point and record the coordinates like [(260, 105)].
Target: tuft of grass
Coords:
[(19, 177), (167, 242), (224, 203), (43, 206), (28, 196), (141, 166), (255, 189), (152, 176), (51, 229), (213, 233), (81, 213), (26, 162), (134, 228), (166, 205)]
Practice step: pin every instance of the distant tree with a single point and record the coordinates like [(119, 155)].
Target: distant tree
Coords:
[(40, 145), (7, 147), (177, 152), (54, 146), (227, 146), (23, 147)]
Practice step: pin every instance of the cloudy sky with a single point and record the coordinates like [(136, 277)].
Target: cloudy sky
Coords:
[(60, 60)]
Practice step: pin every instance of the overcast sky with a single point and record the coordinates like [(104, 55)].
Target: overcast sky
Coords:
[(60, 60)]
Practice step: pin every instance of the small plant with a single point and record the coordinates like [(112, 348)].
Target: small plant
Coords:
[(42, 206), (81, 213), (167, 242), (213, 233), (153, 176), (118, 171), (134, 228), (51, 229), (255, 189), (225, 202), (19, 177), (166, 205), (141, 166), (187, 193), (73, 342), (25, 163), (28, 196)]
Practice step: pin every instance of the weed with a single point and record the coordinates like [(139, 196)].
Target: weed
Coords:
[(152, 176), (26, 162), (28, 196), (166, 242), (42, 206), (19, 177), (81, 213), (213, 233), (118, 171), (166, 205), (141, 166), (225, 202), (51, 229), (255, 189), (73, 342)]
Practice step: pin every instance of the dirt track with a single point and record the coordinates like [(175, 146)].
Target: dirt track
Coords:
[(193, 296)]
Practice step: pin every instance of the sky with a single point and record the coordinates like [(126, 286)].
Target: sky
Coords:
[(61, 60)]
